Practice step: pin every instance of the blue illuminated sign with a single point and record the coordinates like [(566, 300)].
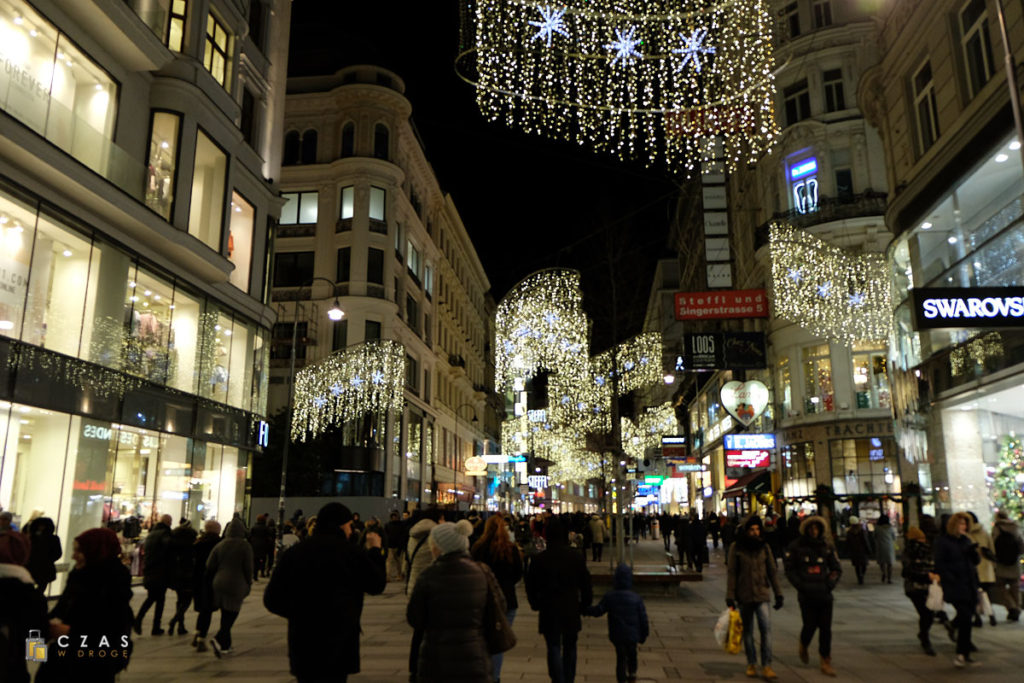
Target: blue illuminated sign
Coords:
[(803, 169), (740, 442)]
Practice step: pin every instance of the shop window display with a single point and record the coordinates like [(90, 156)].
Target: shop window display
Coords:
[(17, 230), (818, 393), (867, 466), (149, 348), (240, 231), (870, 377), (785, 388), (798, 477), (163, 162), (206, 212)]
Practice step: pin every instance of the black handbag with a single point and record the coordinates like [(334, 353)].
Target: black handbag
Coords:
[(497, 631)]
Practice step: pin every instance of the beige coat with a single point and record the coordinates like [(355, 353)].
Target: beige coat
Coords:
[(598, 530), (986, 568)]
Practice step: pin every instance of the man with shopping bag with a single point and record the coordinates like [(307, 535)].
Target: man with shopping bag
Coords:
[(751, 580)]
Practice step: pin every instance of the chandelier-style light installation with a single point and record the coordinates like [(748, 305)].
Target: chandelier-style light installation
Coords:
[(541, 326), (647, 431), (362, 378), (642, 79), (830, 292)]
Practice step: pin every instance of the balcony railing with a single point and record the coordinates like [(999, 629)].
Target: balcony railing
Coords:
[(869, 203)]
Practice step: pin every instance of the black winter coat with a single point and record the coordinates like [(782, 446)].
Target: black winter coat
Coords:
[(318, 587), (558, 586), (181, 558), (22, 609), (956, 562), (813, 568), (447, 605), (96, 605), (918, 561), (627, 617), (507, 573), (155, 556), (397, 533), (261, 539), (45, 552), (858, 545), (202, 589)]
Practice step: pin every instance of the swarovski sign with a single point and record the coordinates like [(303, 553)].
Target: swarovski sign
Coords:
[(976, 307)]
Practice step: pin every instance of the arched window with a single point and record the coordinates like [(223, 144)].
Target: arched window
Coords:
[(348, 139), (380, 141), (291, 148), (309, 147)]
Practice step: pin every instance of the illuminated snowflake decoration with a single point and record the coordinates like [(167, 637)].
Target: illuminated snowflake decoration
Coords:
[(550, 23), (824, 289), (624, 46), (692, 49)]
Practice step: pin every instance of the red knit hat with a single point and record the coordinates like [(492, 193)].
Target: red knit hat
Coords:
[(14, 548), (97, 545)]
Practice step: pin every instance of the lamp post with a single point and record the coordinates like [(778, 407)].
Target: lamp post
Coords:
[(334, 313), (433, 471)]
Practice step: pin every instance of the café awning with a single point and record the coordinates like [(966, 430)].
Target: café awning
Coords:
[(756, 481)]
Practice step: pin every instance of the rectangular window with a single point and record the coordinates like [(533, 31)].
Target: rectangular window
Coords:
[(412, 313), (257, 23), (784, 388), (248, 121), (835, 99), (282, 341), (844, 184), (206, 212), (791, 19), (240, 232), (339, 335), (798, 102), (176, 26), (371, 330), (818, 393), (348, 202), (426, 328), (398, 239), (293, 268), (163, 162), (375, 266), (299, 208), (412, 259), (426, 386), (216, 56), (976, 45), (344, 264), (865, 466), (412, 373), (428, 279), (822, 13), (870, 379), (925, 107), (377, 196)]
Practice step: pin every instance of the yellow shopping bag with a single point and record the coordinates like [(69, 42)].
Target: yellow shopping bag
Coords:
[(734, 643)]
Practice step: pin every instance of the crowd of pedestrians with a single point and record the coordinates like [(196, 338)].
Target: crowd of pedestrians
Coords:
[(460, 575)]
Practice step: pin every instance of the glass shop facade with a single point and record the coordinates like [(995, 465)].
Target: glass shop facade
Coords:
[(959, 391), (124, 393)]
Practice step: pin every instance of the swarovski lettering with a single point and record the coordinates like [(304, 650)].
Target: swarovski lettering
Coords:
[(974, 307)]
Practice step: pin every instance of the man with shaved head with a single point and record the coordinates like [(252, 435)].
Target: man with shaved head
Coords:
[(155, 572)]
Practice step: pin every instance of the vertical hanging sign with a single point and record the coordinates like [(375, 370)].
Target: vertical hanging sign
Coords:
[(717, 254)]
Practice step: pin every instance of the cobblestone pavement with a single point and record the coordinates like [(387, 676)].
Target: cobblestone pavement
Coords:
[(874, 640)]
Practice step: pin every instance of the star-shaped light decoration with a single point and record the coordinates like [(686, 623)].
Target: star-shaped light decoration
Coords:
[(600, 381), (795, 275), (319, 401), (550, 23), (336, 390), (825, 289), (629, 365), (550, 318), (356, 381), (378, 377), (857, 299), (624, 45), (692, 49)]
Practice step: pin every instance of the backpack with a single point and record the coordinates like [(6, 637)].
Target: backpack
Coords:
[(1007, 550)]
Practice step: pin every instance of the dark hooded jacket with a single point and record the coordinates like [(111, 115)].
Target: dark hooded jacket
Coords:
[(448, 604), (752, 574), (46, 550), (22, 608), (812, 565), (956, 562), (318, 586), (627, 618), (156, 556), (202, 587), (181, 557), (558, 584)]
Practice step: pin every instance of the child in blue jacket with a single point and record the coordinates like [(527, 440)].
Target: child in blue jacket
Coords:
[(627, 622)]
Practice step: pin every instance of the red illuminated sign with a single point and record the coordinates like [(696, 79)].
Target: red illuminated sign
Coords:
[(748, 458), (745, 303)]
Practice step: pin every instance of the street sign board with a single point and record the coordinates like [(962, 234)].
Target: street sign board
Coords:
[(748, 458), (722, 351), (742, 441)]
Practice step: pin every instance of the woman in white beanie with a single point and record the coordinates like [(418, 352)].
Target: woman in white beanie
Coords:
[(447, 604)]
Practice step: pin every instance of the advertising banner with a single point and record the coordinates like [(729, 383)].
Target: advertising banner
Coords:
[(745, 303)]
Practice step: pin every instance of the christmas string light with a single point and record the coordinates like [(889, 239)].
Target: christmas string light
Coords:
[(830, 292), (362, 378), (646, 432), (652, 80)]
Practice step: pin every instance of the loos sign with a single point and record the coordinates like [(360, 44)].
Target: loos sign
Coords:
[(977, 307)]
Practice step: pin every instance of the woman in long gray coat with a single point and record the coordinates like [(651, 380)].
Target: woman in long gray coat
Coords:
[(885, 547), (231, 566)]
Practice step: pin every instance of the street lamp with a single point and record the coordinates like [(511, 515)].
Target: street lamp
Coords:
[(433, 470), (334, 313)]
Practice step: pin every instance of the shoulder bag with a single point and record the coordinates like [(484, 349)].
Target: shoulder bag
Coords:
[(497, 631)]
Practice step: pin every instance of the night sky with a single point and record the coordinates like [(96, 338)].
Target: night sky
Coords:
[(528, 202)]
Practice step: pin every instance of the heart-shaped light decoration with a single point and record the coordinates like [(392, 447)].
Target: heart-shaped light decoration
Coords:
[(745, 400)]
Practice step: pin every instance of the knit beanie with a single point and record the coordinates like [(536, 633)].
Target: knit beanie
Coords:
[(752, 520), (452, 538), (330, 519), (854, 519)]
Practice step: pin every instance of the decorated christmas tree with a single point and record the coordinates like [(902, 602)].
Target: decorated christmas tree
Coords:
[(1008, 481)]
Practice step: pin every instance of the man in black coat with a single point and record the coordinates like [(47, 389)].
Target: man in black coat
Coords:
[(202, 588), (318, 586), (397, 532), (181, 568), (558, 586), (155, 570)]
